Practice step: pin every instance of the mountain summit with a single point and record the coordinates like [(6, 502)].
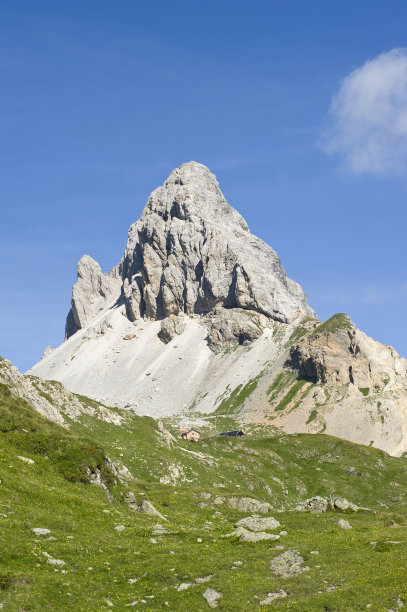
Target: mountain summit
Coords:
[(189, 253)]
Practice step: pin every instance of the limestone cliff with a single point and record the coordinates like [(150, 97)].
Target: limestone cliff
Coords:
[(189, 253)]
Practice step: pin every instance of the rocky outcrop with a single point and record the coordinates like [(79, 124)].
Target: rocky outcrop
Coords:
[(318, 505), (248, 504), (92, 292), (50, 398), (191, 251), (338, 353), (258, 523), (233, 327), (171, 327)]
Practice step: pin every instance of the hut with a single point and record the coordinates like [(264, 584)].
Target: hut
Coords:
[(232, 434), (192, 435)]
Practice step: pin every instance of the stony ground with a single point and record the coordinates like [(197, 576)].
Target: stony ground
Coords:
[(235, 528)]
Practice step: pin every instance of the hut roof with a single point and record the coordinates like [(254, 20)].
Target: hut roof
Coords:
[(235, 433)]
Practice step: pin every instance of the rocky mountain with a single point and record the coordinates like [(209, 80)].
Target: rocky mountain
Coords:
[(199, 319), (189, 253)]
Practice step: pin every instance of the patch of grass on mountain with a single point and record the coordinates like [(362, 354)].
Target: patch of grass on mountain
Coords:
[(290, 395), (282, 381), (238, 396), (297, 334), (42, 393), (312, 416), (337, 321), (75, 458)]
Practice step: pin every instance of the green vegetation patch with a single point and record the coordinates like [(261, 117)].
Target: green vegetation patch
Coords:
[(312, 416), (337, 321), (364, 390), (297, 334), (42, 393), (290, 395), (281, 381), (238, 396), (75, 457)]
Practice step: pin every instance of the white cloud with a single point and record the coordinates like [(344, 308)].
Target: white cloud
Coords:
[(368, 116)]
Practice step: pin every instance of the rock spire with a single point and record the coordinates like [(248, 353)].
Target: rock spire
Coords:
[(190, 252)]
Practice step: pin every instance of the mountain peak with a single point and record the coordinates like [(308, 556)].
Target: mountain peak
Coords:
[(191, 192), (194, 173), (190, 252)]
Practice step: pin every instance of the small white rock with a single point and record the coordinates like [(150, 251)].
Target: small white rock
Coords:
[(25, 459), (40, 531), (211, 597), (344, 524)]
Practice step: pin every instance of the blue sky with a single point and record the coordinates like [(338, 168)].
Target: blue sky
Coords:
[(99, 101)]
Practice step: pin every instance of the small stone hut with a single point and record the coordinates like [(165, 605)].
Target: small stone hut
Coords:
[(192, 434)]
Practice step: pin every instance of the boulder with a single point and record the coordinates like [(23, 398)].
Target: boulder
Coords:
[(41, 531), (248, 504), (319, 504), (316, 505), (147, 508), (171, 327), (258, 523), (287, 564), (258, 536), (273, 596)]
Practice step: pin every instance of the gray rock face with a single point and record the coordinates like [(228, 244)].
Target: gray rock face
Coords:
[(339, 353), (190, 252), (235, 326), (92, 292)]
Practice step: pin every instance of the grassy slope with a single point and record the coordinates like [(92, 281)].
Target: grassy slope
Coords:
[(276, 468), (337, 321)]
